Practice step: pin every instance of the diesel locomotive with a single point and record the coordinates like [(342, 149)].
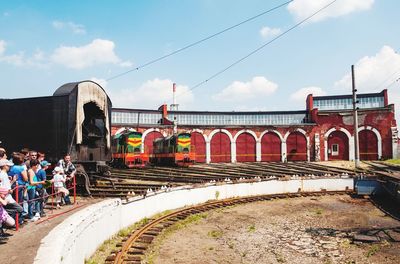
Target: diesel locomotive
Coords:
[(173, 150), (127, 150)]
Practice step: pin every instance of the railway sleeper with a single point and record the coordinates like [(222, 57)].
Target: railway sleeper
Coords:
[(111, 258), (146, 239), (139, 246), (133, 258), (151, 233), (133, 251)]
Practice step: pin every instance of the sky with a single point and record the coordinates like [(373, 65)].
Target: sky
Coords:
[(45, 44)]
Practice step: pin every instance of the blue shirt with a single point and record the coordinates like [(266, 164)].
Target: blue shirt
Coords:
[(41, 176), (17, 170)]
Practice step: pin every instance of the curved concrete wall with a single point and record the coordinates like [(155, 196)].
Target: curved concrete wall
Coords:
[(79, 235)]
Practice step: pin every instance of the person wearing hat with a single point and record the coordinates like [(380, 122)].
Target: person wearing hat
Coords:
[(11, 207), (59, 181)]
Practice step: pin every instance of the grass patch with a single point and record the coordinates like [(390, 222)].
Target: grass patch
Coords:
[(251, 228), (393, 161), (279, 257), (373, 249), (319, 211), (215, 233)]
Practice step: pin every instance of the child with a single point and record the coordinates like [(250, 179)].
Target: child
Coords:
[(59, 180)]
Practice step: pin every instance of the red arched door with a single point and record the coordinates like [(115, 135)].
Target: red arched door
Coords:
[(148, 141), (338, 146), (198, 145), (220, 148), (296, 145), (368, 145), (245, 148), (271, 147)]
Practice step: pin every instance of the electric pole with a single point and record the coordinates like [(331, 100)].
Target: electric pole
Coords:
[(355, 118)]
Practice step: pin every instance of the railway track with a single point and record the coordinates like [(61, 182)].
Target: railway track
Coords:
[(123, 182), (134, 247)]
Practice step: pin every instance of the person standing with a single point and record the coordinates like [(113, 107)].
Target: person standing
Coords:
[(41, 176), (33, 203), (69, 172), (59, 180)]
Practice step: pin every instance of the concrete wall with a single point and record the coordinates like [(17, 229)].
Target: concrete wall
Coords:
[(79, 235)]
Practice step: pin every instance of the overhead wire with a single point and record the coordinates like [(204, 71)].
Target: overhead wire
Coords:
[(258, 49), (199, 41)]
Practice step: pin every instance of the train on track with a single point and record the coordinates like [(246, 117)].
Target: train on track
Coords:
[(127, 148), (174, 150)]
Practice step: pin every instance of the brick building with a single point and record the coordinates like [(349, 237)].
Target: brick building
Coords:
[(323, 131)]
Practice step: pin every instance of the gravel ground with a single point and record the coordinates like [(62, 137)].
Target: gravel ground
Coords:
[(293, 230)]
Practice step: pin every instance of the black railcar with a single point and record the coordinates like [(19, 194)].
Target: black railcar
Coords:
[(75, 120)]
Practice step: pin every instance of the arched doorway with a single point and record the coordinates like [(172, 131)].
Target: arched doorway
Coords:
[(296, 145), (220, 148), (198, 146), (148, 141), (368, 145), (271, 147), (338, 146), (245, 148)]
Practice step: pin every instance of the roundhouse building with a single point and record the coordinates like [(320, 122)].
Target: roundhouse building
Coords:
[(323, 131)]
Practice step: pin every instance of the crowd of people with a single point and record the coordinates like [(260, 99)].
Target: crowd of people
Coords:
[(25, 186)]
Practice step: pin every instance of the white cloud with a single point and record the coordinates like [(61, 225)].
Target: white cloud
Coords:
[(301, 94), (99, 51), (151, 95), (372, 73), (267, 32), (75, 28), (102, 82), (375, 73), (238, 91), (19, 59), (301, 9)]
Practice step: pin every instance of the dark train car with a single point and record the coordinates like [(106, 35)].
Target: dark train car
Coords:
[(75, 120), (173, 150), (127, 148)]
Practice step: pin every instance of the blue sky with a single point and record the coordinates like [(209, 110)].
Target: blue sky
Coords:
[(44, 44)]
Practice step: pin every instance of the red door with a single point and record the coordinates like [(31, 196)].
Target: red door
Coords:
[(198, 146), (368, 145), (271, 147), (220, 148), (245, 148), (296, 145), (338, 146), (148, 141)]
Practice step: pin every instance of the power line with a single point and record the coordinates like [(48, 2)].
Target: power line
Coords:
[(258, 49), (198, 42)]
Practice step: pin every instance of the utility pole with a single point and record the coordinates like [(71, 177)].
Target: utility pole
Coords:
[(355, 118)]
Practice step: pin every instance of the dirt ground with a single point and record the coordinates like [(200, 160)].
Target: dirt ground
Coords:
[(293, 230), (22, 246)]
